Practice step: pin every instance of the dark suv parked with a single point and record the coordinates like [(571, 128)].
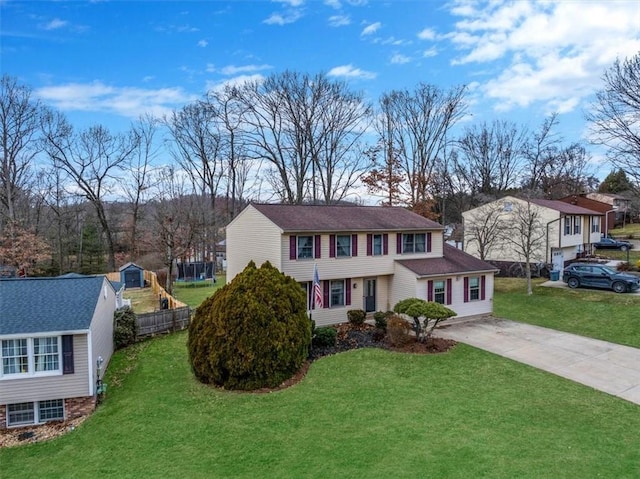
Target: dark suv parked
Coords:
[(599, 276)]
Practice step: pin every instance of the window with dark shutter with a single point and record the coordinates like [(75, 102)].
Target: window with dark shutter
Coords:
[(398, 243), (385, 244), (67, 354), (428, 242), (332, 246), (430, 290), (466, 290), (369, 245), (354, 245), (449, 290), (325, 291), (483, 283), (317, 246)]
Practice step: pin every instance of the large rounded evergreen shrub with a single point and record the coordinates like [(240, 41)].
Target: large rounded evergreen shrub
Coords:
[(252, 333)]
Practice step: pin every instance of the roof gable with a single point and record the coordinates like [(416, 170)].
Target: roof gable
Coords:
[(326, 218), (36, 305)]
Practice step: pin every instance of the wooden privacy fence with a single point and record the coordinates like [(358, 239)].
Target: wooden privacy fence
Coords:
[(163, 321), (152, 280)]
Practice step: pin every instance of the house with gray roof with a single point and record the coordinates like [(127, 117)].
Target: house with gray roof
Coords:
[(562, 231), (56, 340), (366, 257)]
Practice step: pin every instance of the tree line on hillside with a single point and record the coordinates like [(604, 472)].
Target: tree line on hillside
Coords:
[(165, 188)]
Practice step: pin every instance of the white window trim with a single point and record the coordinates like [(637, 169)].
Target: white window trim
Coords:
[(313, 246), (344, 294), (31, 365), (36, 414), (475, 288), (373, 244)]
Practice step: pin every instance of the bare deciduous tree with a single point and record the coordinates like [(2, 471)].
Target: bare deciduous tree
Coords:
[(20, 115), (92, 159), (486, 228), (615, 115), (306, 130), (526, 235), (415, 132), (489, 157)]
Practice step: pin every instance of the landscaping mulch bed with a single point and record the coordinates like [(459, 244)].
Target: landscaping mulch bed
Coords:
[(30, 434)]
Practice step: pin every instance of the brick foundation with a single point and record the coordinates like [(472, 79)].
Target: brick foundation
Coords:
[(3, 416), (77, 407)]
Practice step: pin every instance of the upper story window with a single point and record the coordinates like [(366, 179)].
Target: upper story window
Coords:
[(567, 225), (576, 224), (29, 355), (377, 244), (343, 245), (305, 246), (26, 357), (413, 243), (15, 356)]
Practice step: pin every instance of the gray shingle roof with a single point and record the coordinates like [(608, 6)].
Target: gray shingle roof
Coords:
[(323, 218), (35, 305), (454, 261)]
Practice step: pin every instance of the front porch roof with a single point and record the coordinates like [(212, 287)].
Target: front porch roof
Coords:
[(454, 261)]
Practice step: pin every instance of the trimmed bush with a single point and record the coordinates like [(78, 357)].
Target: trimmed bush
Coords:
[(356, 317), (399, 331), (380, 318), (125, 328), (324, 337), (252, 333)]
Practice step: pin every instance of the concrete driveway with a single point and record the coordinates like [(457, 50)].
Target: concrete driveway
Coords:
[(604, 366)]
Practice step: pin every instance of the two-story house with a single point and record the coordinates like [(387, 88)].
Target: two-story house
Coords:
[(56, 339), (367, 257), (560, 232)]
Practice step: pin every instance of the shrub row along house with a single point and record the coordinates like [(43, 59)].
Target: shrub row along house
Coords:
[(56, 337), (366, 257)]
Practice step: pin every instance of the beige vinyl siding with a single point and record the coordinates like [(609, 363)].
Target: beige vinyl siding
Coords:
[(102, 329), (351, 267), (52, 387), (407, 285), (470, 308), (252, 236)]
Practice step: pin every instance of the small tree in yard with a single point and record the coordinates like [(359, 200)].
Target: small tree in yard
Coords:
[(425, 314), (252, 333)]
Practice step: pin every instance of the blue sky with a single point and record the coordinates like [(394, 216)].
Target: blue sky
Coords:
[(108, 62)]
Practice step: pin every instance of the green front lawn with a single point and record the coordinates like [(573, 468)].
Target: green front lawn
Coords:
[(362, 414), (589, 312)]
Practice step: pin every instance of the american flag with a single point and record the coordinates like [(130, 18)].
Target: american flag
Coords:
[(317, 291)]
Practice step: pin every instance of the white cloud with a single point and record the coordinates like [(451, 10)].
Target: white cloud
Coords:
[(553, 52), (235, 81), (427, 34), (293, 3), (430, 52), (283, 19), (348, 71), (55, 24), (339, 20), (333, 4), (234, 70), (130, 102), (371, 29), (203, 43), (399, 59)]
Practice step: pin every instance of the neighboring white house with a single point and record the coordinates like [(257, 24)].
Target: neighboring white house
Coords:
[(56, 337), (368, 257), (563, 231)]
